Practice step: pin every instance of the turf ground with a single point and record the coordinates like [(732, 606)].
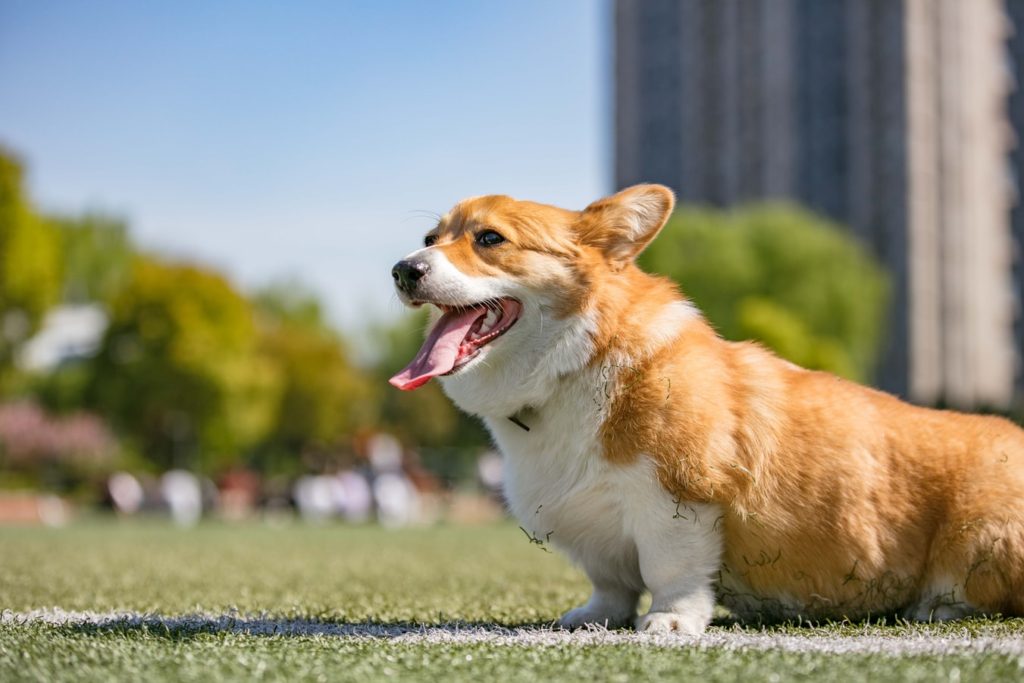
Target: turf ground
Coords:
[(108, 600)]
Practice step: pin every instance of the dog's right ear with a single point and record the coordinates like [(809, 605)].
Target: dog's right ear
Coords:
[(624, 223)]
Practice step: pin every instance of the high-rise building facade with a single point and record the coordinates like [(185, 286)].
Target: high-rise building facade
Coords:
[(1015, 10), (890, 116)]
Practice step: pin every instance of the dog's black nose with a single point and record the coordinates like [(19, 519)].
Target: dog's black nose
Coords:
[(406, 273)]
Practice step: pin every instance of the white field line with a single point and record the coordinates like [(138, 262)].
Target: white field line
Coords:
[(904, 645)]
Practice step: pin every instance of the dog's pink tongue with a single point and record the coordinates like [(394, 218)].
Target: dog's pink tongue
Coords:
[(439, 352)]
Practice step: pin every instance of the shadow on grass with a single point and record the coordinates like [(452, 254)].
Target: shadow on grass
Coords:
[(185, 626), (1003, 638), (189, 626), (193, 625)]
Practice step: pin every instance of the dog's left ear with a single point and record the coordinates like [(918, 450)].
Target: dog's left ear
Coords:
[(624, 223)]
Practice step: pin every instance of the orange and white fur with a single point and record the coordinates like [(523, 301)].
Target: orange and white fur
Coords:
[(663, 458)]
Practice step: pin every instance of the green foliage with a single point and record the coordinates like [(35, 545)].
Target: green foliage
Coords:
[(781, 275), (290, 300), (324, 399), (63, 390), (96, 257), (29, 265), (180, 371)]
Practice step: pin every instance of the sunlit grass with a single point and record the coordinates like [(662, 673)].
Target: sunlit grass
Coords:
[(332, 572), (344, 575)]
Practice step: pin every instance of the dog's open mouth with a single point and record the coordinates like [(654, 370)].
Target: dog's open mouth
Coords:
[(456, 338)]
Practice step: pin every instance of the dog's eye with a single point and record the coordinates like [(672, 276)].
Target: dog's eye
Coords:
[(489, 238), (430, 240)]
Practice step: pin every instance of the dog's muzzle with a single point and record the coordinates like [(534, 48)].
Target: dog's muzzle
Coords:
[(407, 273)]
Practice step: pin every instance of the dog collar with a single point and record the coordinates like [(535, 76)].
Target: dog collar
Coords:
[(517, 419)]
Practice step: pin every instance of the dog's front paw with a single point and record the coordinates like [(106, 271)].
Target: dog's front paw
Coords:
[(670, 622), (587, 615)]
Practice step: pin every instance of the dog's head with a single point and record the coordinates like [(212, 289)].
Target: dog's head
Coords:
[(512, 283)]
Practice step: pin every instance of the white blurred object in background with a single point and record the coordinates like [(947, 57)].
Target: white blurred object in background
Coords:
[(385, 453), (125, 493), (68, 332), (490, 470), (184, 496), (314, 497), (397, 499), (354, 497)]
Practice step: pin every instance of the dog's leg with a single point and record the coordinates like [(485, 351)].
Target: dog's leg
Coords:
[(976, 563), (611, 604), (942, 601), (678, 556)]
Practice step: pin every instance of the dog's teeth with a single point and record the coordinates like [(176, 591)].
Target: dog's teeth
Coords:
[(489, 321)]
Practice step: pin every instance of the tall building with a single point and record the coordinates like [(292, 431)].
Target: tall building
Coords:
[(890, 116), (1015, 9)]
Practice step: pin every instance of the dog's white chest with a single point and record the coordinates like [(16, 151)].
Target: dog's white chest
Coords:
[(561, 488)]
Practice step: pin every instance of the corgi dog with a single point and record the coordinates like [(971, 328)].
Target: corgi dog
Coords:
[(663, 458)]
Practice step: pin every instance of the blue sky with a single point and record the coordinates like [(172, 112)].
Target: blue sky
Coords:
[(276, 139)]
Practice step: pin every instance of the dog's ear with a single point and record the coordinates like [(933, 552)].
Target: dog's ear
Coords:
[(624, 223)]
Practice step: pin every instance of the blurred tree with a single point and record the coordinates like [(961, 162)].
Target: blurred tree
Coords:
[(29, 265), (781, 275), (62, 390), (292, 301), (96, 257), (324, 399), (180, 372)]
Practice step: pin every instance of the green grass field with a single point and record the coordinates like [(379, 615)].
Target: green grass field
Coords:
[(338, 603)]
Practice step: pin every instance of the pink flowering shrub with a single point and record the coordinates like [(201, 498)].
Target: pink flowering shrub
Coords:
[(30, 438)]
